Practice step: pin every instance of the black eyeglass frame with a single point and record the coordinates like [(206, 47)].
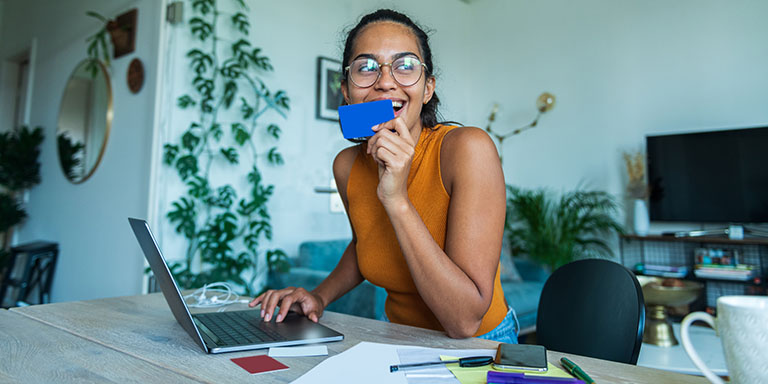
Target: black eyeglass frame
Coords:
[(391, 72)]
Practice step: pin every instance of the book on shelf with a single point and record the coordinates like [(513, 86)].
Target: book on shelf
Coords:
[(677, 271), (740, 272)]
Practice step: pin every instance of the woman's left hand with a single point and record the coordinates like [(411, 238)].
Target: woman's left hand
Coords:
[(393, 152)]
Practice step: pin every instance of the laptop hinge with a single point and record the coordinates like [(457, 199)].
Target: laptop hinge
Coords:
[(209, 337)]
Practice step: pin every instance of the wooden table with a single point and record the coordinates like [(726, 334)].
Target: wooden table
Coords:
[(136, 338)]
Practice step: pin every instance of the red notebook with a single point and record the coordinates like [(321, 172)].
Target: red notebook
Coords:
[(259, 364)]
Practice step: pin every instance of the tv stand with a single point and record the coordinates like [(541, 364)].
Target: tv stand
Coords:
[(733, 232)]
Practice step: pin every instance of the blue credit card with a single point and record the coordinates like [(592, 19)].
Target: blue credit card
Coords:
[(358, 119)]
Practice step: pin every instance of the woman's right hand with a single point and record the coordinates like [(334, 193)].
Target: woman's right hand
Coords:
[(294, 299)]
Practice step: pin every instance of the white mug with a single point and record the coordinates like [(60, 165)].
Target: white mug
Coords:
[(742, 324)]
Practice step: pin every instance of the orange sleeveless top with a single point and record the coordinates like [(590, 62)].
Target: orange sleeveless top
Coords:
[(378, 252)]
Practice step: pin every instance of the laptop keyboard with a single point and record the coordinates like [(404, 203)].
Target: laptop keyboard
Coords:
[(239, 327)]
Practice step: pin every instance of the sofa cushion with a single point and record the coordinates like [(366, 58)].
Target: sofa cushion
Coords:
[(523, 297), (321, 255)]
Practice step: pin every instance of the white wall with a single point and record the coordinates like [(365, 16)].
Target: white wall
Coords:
[(293, 41), (98, 254), (619, 69)]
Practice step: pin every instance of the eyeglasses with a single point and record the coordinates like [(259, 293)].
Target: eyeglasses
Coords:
[(364, 72)]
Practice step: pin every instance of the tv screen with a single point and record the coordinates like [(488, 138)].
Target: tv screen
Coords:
[(709, 177)]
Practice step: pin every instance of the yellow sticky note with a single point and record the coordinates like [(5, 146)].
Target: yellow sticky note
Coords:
[(478, 375)]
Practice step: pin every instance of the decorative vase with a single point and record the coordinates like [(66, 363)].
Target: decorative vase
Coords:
[(641, 221)]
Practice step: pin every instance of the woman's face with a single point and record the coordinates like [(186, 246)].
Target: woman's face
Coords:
[(385, 42)]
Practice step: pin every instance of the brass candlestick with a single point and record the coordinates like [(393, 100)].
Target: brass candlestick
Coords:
[(658, 327)]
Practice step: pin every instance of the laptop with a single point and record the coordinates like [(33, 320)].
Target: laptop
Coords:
[(218, 332)]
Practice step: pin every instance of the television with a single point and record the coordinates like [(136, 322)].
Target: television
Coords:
[(709, 177)]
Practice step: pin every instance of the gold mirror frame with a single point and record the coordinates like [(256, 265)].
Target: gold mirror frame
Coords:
[(64, 135)]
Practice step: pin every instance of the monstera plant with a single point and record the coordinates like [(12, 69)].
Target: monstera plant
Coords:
[(225, 229)]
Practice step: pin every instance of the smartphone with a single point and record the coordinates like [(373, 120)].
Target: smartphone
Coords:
[(358, 119), (523, 357)]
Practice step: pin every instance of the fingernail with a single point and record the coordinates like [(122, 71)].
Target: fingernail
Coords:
[(262, 313), (280, 317), (267, 317)]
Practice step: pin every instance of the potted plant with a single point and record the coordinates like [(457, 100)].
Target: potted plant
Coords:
[(19, 170), (555, 231)]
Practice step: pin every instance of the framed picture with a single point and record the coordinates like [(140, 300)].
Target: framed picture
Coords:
[(329, 97)]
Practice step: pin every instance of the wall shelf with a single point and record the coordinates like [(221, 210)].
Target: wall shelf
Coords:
[(679, 251)]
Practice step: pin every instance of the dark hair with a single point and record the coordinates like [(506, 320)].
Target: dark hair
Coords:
[(429, 110)]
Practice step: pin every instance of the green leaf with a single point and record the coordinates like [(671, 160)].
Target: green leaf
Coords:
[(216, 131), (199, 187), (226, 195), (200, 61), (231, 69), (240, 21), (183, 215), (230, 154), (230, 89), (246, 109), (19, 157), (186, 101), (203, 6), (11, 212), (282, 100), (241, 134), (207, 106), (170, 153), (189, 141), (200, 28), (274, 157), (246, 208), (274, 130), (204, 86), (187, 166), (278, 261), (260, 61)]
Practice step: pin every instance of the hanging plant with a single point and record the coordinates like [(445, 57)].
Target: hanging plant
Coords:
[(223, 230)]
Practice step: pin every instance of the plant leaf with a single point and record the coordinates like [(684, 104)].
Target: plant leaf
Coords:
[(230, 154), (274, 157), (170, 152)]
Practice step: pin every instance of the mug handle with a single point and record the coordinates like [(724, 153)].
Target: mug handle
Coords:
[(684, 328)]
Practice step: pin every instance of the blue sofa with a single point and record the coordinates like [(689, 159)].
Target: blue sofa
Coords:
[(316, 259)]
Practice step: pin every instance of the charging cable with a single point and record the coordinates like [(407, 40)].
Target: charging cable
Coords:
[(213, 295)]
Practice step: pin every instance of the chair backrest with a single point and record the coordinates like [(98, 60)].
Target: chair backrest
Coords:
[(592, 308)]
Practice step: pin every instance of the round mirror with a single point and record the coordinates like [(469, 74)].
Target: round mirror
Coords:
[(85, 118)]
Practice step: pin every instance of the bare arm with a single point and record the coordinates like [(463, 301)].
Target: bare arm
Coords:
[(341, 280)]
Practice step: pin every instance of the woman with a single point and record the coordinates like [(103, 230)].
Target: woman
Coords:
[(426, 201)]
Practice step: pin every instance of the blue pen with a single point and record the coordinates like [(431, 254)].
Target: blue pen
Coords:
[(495, 377)]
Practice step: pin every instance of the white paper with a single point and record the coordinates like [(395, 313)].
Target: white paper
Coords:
[(369, 363), (308, 350), (437, 374)]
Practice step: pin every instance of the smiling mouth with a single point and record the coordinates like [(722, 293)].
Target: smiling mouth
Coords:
[(397, 105)]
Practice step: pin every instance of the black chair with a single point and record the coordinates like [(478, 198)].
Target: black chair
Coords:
[(30, 274), (592, 308)]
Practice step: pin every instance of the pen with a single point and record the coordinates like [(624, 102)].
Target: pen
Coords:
[(475, 361), (575, 370)]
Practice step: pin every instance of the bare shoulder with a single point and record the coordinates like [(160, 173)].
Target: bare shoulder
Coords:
[(344, 160), (467, 141), (468, 153)]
